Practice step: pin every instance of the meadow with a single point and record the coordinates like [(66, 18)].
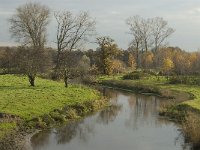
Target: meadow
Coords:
[(21, 100)]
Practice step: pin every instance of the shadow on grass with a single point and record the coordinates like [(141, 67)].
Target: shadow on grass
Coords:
[(25, 88)]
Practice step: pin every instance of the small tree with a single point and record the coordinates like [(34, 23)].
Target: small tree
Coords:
[(72, 31), (117, 66), (131, 62), (147, 60), (108, 51), (167, 67), (29, 26), (84, 66)]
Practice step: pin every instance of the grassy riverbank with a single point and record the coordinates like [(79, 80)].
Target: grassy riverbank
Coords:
[(153, 85), (19, 100)]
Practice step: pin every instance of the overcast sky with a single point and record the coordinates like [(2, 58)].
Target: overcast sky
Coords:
[(182, 15)]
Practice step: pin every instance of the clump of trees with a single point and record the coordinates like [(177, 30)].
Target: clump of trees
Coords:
[(147, 35), (29, 26), (108, 50)]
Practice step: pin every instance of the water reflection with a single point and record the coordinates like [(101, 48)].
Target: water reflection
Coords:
[(131, 122), (109, 115)]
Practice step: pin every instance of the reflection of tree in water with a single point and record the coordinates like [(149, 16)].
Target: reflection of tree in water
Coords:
[(109, 93), (143, 110), (108, 115)]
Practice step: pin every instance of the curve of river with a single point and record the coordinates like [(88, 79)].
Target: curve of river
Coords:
[(131, 123)]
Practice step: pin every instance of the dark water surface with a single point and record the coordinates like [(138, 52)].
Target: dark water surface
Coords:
[(132, 123)]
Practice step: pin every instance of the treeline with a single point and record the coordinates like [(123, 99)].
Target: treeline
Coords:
[(169, 60)]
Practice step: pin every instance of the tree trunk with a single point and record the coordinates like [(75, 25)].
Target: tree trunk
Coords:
[(31, 79), (66, 78), (137, 55), (146, 46)]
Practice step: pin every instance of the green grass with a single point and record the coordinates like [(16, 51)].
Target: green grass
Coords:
[(6, 128), (18, 98), (162, 83), (107, 77)]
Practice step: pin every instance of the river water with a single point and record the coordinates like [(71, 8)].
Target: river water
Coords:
[(132, 123)]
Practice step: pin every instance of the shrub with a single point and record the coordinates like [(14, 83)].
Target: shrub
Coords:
[(131, 76), (150, 72), (191, 80), (71, 114), (136, 75), (57, 116), (89, 80), (191, 128), (175, 80)]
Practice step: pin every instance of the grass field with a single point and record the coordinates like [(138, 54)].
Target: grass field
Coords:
[(18, 98)]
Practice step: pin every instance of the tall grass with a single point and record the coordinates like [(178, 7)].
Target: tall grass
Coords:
[(191, 128)]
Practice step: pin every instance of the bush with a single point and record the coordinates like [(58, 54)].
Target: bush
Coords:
[(89, 80), (71, 114), (57, 117), (191, 80), (136, 75), (151, 72), (175, 80)]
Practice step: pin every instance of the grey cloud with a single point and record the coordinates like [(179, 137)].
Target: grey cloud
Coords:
[(183, 15)]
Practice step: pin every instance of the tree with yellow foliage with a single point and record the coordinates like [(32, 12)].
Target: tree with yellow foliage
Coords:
[(147, 60), (117, 66), (131, 62), (168, 66), (109, 50)]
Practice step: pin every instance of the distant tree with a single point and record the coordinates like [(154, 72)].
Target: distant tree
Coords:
[(160, 31), (108, 51), (8, 60), (117, 66), (29, 26), (84, 66), (134, 24), (168, 65), (147, 60), (72, 31), (131, 62), (147, 34)]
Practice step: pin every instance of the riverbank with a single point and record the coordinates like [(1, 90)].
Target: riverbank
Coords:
[(158, 87), (183, 106), (48, 103)]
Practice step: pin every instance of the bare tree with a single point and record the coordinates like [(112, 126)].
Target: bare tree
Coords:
[(134, 24), (28, 26), (147, 34), (72, 31), (160, 31), (145, 27)]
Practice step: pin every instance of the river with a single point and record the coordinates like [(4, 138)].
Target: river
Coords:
[(131, 123)]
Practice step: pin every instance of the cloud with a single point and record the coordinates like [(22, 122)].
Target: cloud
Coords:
[(6, 13), (183, 15)]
